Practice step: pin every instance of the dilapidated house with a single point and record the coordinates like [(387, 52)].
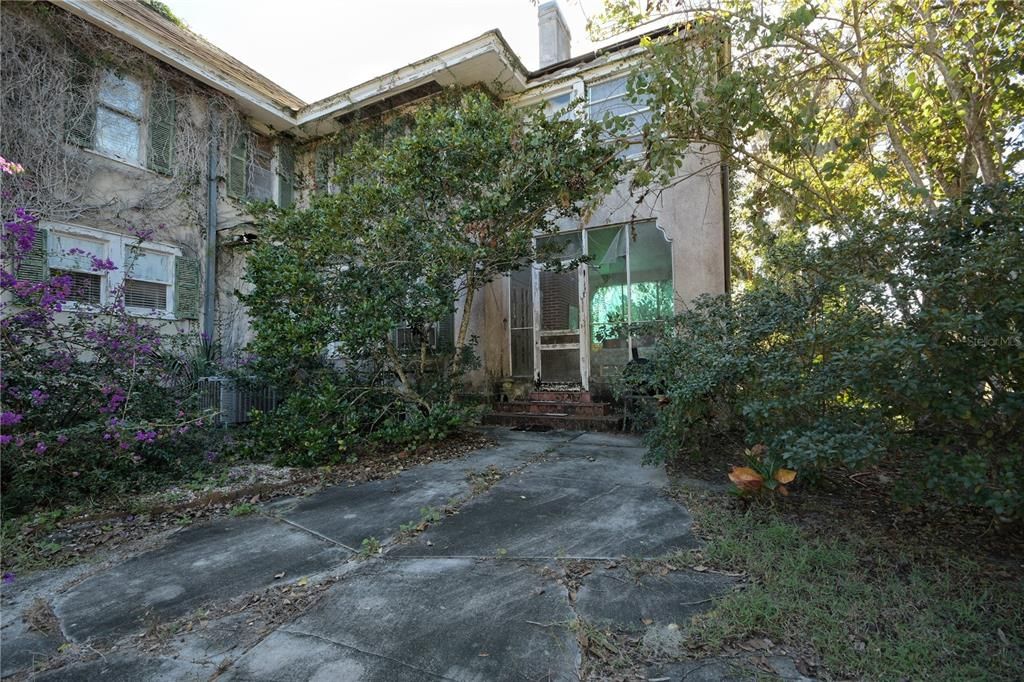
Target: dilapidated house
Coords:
[(128, 121)]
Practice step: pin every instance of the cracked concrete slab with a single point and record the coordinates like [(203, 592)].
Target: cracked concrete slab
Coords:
[(531, 515), (633, 601), (218, 560), (348, 514), (130, 669), (454, 619)]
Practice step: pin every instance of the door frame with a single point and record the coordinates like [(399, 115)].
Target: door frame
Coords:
[(583, 288)]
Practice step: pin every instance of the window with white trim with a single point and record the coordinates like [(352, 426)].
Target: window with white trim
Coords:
[(71, 255), (610, 99), (149, 279), (119, 112), (153, 279)]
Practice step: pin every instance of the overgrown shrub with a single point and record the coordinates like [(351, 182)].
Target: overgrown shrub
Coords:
[(92, 402), (900, 336)]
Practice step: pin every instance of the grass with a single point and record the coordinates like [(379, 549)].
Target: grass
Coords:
[(864, 607)]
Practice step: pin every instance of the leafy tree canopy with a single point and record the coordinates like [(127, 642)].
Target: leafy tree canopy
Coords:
[(831, 109), (420, 222)]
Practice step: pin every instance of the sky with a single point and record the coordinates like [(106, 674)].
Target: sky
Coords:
[(316, 48)]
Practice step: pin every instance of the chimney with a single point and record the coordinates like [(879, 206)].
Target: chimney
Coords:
[(554, 34)]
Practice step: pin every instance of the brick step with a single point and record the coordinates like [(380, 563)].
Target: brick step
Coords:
[(611, 422), (560, 396), (559, 407)]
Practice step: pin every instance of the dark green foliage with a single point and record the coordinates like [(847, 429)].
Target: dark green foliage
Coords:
[(900, 336), (354, 295)]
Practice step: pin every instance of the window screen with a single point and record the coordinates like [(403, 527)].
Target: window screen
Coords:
[(86, 287), (261, 180), (119, 117), (148, 295), (609, 100)]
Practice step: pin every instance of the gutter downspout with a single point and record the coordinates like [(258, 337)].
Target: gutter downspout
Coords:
[(210, 287), (725, 57)]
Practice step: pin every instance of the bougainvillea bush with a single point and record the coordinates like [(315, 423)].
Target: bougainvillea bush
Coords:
[(89, 405)]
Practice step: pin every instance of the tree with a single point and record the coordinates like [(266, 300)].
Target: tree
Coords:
[(831, 109), (422, 221)]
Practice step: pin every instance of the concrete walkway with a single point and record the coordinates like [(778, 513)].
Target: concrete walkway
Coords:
[(501, 588)]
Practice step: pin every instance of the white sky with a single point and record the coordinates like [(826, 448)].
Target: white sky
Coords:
[(315, 48)]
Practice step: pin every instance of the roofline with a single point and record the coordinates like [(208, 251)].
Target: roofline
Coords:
[(279, 112), (353, 97), (601, 51)]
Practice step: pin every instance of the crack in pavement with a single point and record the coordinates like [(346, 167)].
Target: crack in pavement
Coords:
[(312, 532), (367, 653)]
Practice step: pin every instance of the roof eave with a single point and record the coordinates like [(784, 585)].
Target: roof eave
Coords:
[(258, 105)]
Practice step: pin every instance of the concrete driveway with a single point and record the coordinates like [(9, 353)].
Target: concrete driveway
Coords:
[(489, 567)]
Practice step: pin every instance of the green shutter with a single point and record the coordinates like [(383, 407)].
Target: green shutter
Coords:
[(34, 265), (80, 107), (163, 107), (286, 175), (323, 168), (237, 167), (186, 288), (446, 332)]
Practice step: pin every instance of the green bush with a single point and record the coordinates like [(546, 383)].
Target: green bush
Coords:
[(901, 336), (333, 418)]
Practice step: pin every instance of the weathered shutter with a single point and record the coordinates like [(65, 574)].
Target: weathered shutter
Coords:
[(446, 332), (162, 110), (323, 168), (186, 288), (237, 167), (34, 265), (80, 106), (286, 175)]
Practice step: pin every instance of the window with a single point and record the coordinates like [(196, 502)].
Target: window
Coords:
[(119, 109), (251, 170), (72, 255), (123, 123), (558, 106), (440, 336), (610, 100), (149, 277), (155, 278)]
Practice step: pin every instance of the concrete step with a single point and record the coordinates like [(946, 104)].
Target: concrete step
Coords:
[(610, 422), (560, 396), (559, 407)]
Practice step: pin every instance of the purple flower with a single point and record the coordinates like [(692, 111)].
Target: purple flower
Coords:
[(145, 436), (61, 439), (8, 577), (6, 439), (40, 448), (211, 456), (9, 418), (39, 398), (102, 265)]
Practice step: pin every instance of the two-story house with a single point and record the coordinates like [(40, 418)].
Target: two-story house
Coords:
[(157, 126)]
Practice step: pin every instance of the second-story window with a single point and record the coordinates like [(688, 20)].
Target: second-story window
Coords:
[(610, 99), (119, 113), (251, 170)]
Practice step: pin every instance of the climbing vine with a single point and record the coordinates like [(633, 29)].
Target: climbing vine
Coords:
[(51, 60)]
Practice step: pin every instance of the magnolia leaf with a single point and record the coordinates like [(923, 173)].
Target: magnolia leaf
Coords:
[(784, 475), (746, 478)]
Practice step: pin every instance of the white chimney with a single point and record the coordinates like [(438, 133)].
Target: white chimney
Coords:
[(554, 34)]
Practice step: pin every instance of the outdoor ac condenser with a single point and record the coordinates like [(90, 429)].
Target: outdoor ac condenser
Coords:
[(232, 404)]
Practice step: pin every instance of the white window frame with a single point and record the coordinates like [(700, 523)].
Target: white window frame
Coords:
[(637, 109), (142, 119), (116, 246)]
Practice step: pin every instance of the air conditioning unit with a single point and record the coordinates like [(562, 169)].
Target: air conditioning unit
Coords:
[(231, 403)]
